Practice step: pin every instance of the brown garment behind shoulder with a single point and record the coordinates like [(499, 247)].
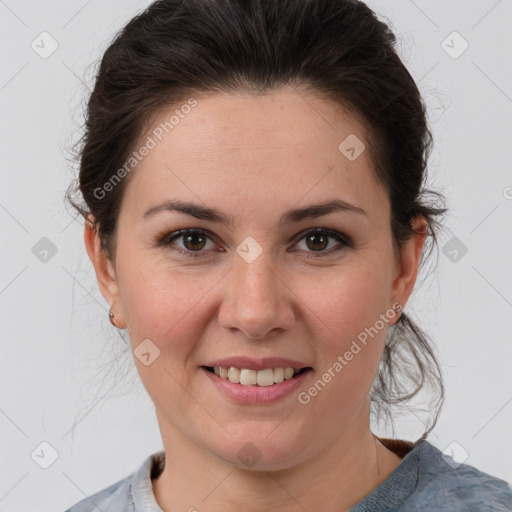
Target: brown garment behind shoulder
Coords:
[(397, 446)]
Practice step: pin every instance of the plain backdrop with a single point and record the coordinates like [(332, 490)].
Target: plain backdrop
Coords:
[(58, 366)]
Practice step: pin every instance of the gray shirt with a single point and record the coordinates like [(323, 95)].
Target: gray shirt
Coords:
[(425, 480)]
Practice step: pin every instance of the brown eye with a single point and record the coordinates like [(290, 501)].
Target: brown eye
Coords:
[(188, 242), (194, 241), (317, 241)]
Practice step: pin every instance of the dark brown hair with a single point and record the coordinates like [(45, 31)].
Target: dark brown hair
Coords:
[(337, 49)]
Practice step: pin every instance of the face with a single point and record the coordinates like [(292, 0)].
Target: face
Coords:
[(260, 289)]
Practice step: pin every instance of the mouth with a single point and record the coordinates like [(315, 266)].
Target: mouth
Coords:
[(262, 378)]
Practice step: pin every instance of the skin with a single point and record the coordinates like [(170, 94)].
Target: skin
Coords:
[(254, 158)]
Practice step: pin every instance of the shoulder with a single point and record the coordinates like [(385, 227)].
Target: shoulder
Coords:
[(427, 480), (132, 493), (115, 497), (443, 484)]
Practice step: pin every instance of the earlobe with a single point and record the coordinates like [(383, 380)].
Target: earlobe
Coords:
[(408, 266)]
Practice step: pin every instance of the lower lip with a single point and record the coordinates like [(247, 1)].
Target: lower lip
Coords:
[(256, 394)]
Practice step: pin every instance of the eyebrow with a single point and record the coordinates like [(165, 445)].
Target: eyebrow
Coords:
[(292, 216)]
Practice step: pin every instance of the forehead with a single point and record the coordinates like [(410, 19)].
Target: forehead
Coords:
[(281, 145)]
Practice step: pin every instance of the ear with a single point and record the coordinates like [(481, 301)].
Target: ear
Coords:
[(105, 271), (408, 264)]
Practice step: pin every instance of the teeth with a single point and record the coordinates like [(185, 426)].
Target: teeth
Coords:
[(278, 375), (234, 375), (265, 377), (246, 377)]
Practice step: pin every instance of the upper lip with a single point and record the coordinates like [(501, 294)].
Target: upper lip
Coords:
[(257, 364)]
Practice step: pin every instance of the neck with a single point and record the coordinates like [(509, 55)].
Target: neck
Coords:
[(333, 480)]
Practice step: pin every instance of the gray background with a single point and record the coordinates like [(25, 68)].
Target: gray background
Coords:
[(58, 364)]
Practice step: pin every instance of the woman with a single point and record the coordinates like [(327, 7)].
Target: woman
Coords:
[(252, 176)]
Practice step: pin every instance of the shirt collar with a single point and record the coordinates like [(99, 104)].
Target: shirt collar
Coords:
[(141, 489)]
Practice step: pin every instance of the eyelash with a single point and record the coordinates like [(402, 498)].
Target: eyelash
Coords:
[(168, 238)]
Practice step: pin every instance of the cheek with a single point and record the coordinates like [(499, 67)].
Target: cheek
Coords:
[(350, 309), (167, 307), (347, 301), (165, 304)]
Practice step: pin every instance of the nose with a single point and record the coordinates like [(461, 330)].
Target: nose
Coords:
[(256, 300)]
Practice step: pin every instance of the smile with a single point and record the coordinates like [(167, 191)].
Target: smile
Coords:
[(262, 386), (248, 377)]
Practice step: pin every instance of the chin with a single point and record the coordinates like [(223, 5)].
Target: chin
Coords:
[(265, 452)]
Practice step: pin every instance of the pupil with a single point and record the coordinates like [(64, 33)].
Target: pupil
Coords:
[(317, 235)]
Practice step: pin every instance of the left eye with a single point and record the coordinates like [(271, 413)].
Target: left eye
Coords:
[(318, 239), (195, 240)]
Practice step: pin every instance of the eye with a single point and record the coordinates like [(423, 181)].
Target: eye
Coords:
[(317, 241), (194, 241)]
